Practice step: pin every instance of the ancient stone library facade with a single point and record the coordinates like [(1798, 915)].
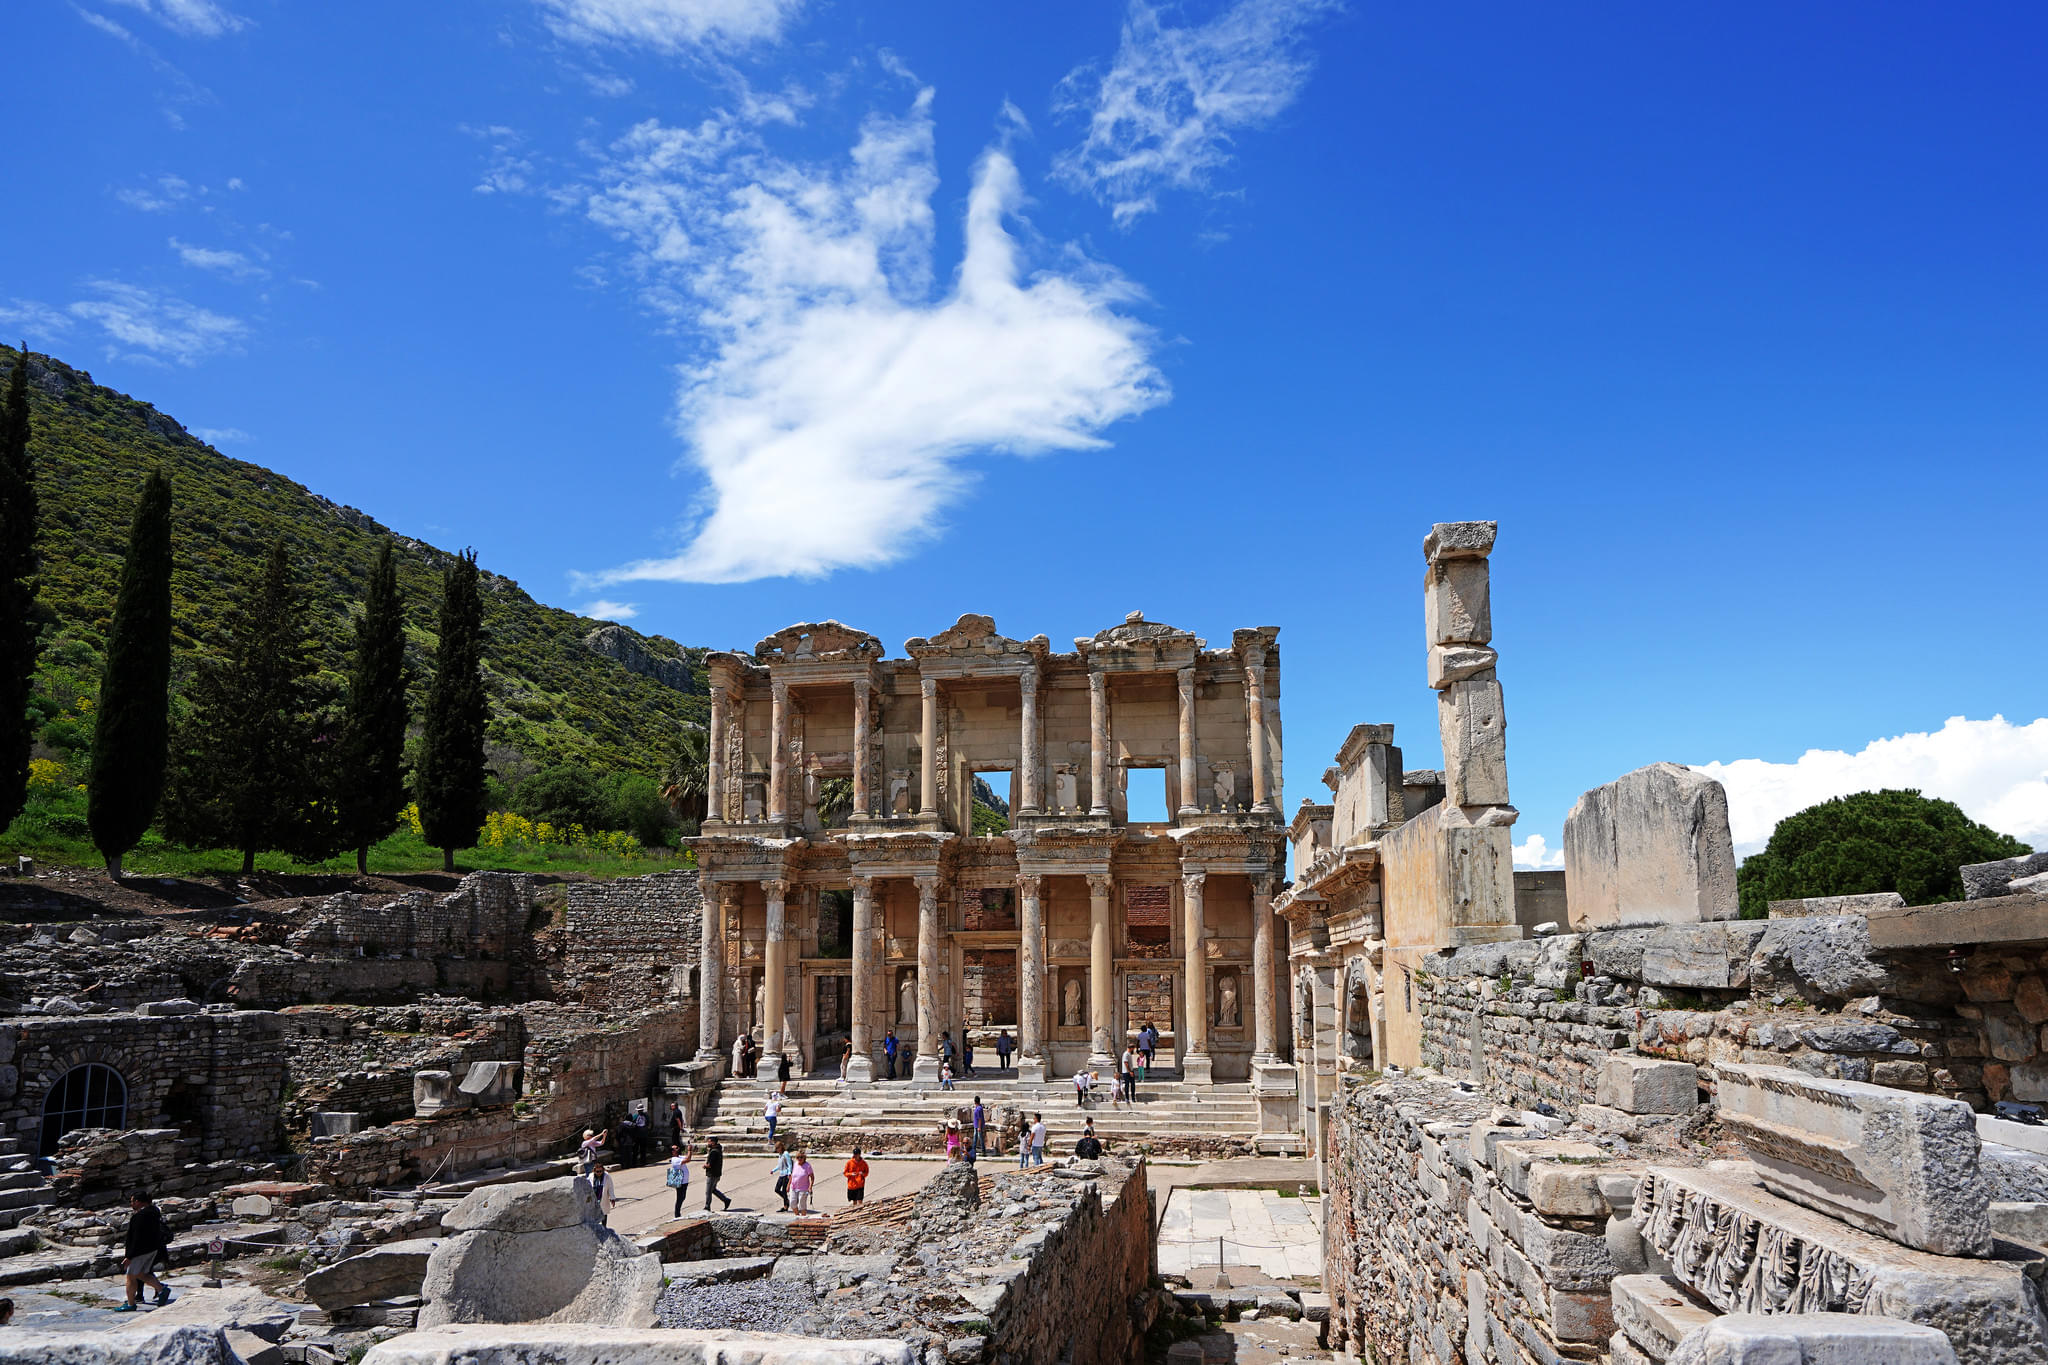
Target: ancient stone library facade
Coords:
[(1081, 922)]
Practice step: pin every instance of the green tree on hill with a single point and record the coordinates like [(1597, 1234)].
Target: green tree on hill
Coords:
[(687, 784), (369, 782), (452, 779), (18, 607), (131, 733), (247, 763), (1872, 841)]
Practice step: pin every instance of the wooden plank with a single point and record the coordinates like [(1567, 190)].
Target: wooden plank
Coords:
[(1995, 919)]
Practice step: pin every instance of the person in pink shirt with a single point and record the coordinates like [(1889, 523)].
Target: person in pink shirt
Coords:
[(800, 1182)]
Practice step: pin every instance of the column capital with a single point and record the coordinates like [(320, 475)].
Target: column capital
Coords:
[(1185, 677), (927, 892), (778, 689), (728, 895), (1191, 882), (929, 688), (1262, 884), (1030, 884), (864, 884), (1100, 883), (719, 690), (1098, 681), (775, 888)]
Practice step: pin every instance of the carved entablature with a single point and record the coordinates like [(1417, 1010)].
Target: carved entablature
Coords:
[(818, 642), (1255, 643), (731, 671), (901, 853), (1352, 750), (1341, 876), (1140, 646), (749, 857), (1254, 850), (972, 645), (1066, 850)]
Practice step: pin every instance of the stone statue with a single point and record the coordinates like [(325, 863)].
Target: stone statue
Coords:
[(1066, 789), (899, 796), (1226, 1003), (1226, 788), (906, 998), (1070, 1005), (761, 1002)]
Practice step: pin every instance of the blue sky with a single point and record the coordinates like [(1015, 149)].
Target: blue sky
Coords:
[(719, 314)]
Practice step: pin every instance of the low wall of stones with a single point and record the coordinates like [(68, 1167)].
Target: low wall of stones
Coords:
[(1084, 1293), (485, 916), (631, 942), (362, 1061), (273, 982)]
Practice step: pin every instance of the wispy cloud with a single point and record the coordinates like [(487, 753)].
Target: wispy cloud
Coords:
[(193, 18), (159, 195), (235, 264), (33, 318), (838, 390), (605, 610), (223, 436), (670, 25), (184, 92), (506, 170), (147, 325), (1163, 115)]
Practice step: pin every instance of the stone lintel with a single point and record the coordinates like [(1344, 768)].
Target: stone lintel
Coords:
[(1459, 540), (1996, 919)]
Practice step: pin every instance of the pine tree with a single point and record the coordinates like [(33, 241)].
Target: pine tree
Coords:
[(248, 758), (452, 796), (370, 787), (130, 740), (18, 608)]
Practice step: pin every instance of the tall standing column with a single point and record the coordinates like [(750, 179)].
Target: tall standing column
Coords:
[(714, 757), (928, 799), (1101, 1003), (862, 1067), (778, 752), (772, 968), (1264, 1048), (1193, 1045), (927, 1068), (1255, 717), (862, 742), (1029, 757), (711, 973), (1098, 743), (1031, 980), (1188, 804)]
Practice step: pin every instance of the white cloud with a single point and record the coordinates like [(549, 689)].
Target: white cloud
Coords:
[(222, 436), (1163, 115), (670, 25), (155, 326), (605, 610), (193, 18), (27, 315), (160, 195), (233, 263), (1995, 770), (1534, 854), (837, 397), (505, 170)]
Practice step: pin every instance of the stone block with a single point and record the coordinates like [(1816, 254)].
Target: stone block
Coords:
[(1512, 1158), (252, 1206), (1460, 663), (1656, 1312), (1892, 1162), (1647, 1085), (491, 1083), (1562, 1191), (163, 1008), (1981, 880), (180, 1344), (537, 1206), (336, 1123), (1581, 1315), (1459, 540), (1651, 847), (1566, 1259), (1812, 1339), (434, 1093), (391, 1271), (1473, 718), (1622, 1351), (1837, 905), (2025, 1223), (539, 1344)]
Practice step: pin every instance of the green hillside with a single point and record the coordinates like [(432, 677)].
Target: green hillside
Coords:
[(554, 698)]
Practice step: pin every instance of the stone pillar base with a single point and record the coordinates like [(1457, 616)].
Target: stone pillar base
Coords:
[(1198, 1070), (925, 1069), (860, 1069), (1103, 1062), (1031, 1071)]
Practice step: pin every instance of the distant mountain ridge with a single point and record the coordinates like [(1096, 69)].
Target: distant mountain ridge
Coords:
[(564, 688)]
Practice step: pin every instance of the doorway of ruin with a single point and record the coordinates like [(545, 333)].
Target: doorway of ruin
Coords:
[(1149, 983), (89, 1096), (832, 1002)]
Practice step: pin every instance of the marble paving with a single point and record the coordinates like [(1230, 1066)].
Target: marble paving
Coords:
[(1278, 1234)]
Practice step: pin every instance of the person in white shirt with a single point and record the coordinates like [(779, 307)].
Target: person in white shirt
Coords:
[(679, 1178), (607, 1195), (1081, 1082), (772, 1112), (1038, 1140)]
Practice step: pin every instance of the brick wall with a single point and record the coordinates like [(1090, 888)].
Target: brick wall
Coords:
[(628, 942)]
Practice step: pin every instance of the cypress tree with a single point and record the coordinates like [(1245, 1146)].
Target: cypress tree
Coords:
[(131, 736), (18, 610), (370, 788), (247, 758), (452, 796)]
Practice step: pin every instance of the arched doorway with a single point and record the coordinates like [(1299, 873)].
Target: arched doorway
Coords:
[(87, 1096)]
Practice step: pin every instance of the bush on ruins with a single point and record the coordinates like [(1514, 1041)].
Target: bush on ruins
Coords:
[(1871, 841)]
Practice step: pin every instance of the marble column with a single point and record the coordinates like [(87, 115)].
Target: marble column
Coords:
[(778, 752), (1264, 1048), (714, 757), (927, 1066), (772, 967), (863, 741), (1031, 1063), (711, 972), (1188, 804), (1255, 717), (1098, 743), (1192, 1047), (928, 800), (1101, 996), (1028, 758), (862, 1067)]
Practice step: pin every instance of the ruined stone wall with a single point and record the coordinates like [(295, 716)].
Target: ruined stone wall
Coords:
[(362, 1061), (275, 982), (631, 943), (485, 916), (1079, 1301)]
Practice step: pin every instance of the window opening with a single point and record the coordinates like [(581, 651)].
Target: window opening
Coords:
[(835, 924), (991, 812), (88, 1096), (1145, 796)]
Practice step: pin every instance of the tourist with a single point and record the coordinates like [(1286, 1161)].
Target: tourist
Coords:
[(1003, 1049), (782, 1072), (679, 1179), (675, 1124), (636, 1131), (845, 1058), (606, 1192), (593, 1143), (946, 1048), (739, 1056), (800, 1182), (945, 1075), (149, 1238), (785, 1167), (889, 1054), (966, 1054), (856, 1178), (1023, 1141), (1082, 1081), (751, 1056), (771, 1112), (1148, 1043), (979, 1116), (1089, 1148), (1038, 1139), (1127, 1076), (714, 1167), (951, 1132)]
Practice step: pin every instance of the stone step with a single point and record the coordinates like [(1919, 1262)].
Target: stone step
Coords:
[(24, 1198), (12, 1217), (23, 1180), (11, 1146)]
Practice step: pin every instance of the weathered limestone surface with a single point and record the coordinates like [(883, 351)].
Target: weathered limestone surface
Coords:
[(1995, 878), (1813, 1339), (178, 1345), (1837, 905), (531, 1344), (1647, 1085), (393, 1270), (1651, 847), (1888, 1161), (536, 1253), (1656, 1312)]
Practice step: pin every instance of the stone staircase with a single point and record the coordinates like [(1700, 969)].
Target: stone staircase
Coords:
[(906, 1115), (23, 1187)]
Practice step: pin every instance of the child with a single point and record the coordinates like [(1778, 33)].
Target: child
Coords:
[(800, 1182), (856, 1178), (945, 1075)]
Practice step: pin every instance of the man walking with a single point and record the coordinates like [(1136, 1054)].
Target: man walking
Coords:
[(714, 1167), (1127, 1075), (1038, 1139), (1003, 1050), (148, 1238), (979, 1116), (772, 1111), (889, 1053)]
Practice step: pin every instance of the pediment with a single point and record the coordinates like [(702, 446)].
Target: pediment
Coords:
[(818, 640)]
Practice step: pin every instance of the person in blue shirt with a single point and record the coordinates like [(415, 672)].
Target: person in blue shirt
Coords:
[(889, 1054)]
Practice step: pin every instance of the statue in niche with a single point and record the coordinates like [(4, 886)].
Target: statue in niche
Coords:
[(1070, 1004), (751, 808), (906, 998), (1066, 789), (1227, 1013), (760, 1001), (1226, 788), (899, 796)]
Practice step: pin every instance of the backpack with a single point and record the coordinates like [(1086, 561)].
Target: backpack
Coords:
[(677, 1179)]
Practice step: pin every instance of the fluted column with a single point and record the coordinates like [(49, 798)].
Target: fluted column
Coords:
[(1255, 717), (1031, 980), (1193, 1045), (1101, 1004), (778, 752), (711, 972), (714, 757), (1264, 1046), (862, 1067), (928, 800), (1188, 804), (1098, 743), (927, 1068), (1029, 757), (862, 742), (772, 967)]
